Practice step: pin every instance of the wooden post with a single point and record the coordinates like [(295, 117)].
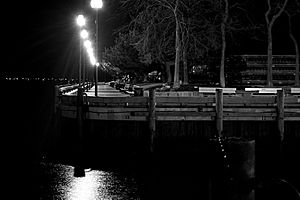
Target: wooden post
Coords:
[(152, 118), (56, 98), (79, 169), (219, 111), (280, 113)]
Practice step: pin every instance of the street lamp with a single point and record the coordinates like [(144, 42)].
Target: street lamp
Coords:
[(80, 20), (84, 34), (97, 4)]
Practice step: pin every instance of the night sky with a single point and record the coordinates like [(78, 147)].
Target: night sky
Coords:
[(40, 37)]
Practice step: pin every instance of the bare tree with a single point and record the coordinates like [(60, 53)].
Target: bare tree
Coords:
[(275, 9), (292, 10)]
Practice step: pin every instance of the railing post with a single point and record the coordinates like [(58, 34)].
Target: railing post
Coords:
[(152, 118), (56, 98), (219, 111)]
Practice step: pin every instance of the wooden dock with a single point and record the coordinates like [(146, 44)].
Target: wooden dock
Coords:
[(217, 105), (191, 106)]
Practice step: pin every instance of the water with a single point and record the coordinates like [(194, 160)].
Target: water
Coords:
[(56, 181)]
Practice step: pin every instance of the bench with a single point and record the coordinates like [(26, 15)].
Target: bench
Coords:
[(211, 90)]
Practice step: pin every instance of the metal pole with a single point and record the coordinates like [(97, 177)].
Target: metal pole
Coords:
[(79, 68), (84, 72), (97, 57)]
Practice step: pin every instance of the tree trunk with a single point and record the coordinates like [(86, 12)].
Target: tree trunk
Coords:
[(270, 24), (185, 68), (270, 60), (297, 65), (222, 66), (296, 50), (223, 32), (184, 47), (168, 72), (176, 83)]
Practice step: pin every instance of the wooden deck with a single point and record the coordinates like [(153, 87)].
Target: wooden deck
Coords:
[(184, 106)]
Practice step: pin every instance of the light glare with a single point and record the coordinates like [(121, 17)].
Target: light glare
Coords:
[(96, 4), (87, 44), (84, 34), (80, 20)]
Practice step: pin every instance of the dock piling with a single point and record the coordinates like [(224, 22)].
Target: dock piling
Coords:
[(152, 118), (280, 113), (79, 169), (219, 111)]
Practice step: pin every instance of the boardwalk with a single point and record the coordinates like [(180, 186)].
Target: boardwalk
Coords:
[(105, 90)]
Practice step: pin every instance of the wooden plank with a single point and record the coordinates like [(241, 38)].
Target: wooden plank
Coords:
[(185, 100), (121, 100), (249, 100), (67, 107), (295, 90), (292, 99), (247, 118), (177, 94), (114, 116), (184, 118), (185, 113), (176, 109), (292, 118), (291, 110), (68, 113), (250, 114), (250, 110), (66, 99), (116, 109)]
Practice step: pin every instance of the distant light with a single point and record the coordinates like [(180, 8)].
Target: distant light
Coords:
[(80, 20), (97, 64), (96, 4), (84, 34)]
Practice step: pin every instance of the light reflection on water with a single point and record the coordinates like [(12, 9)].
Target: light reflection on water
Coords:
[(96, 185)]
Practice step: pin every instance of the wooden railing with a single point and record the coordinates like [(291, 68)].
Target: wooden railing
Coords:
[(242, 106)]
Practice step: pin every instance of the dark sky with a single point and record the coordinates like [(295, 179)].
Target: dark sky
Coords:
[(41, 37)]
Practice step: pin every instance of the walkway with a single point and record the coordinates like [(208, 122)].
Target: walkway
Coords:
[(105, 91)]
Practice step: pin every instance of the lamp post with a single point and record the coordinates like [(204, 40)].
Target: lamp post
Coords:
[(79, 170), (84, 35), (80, 22), (97, 4)]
